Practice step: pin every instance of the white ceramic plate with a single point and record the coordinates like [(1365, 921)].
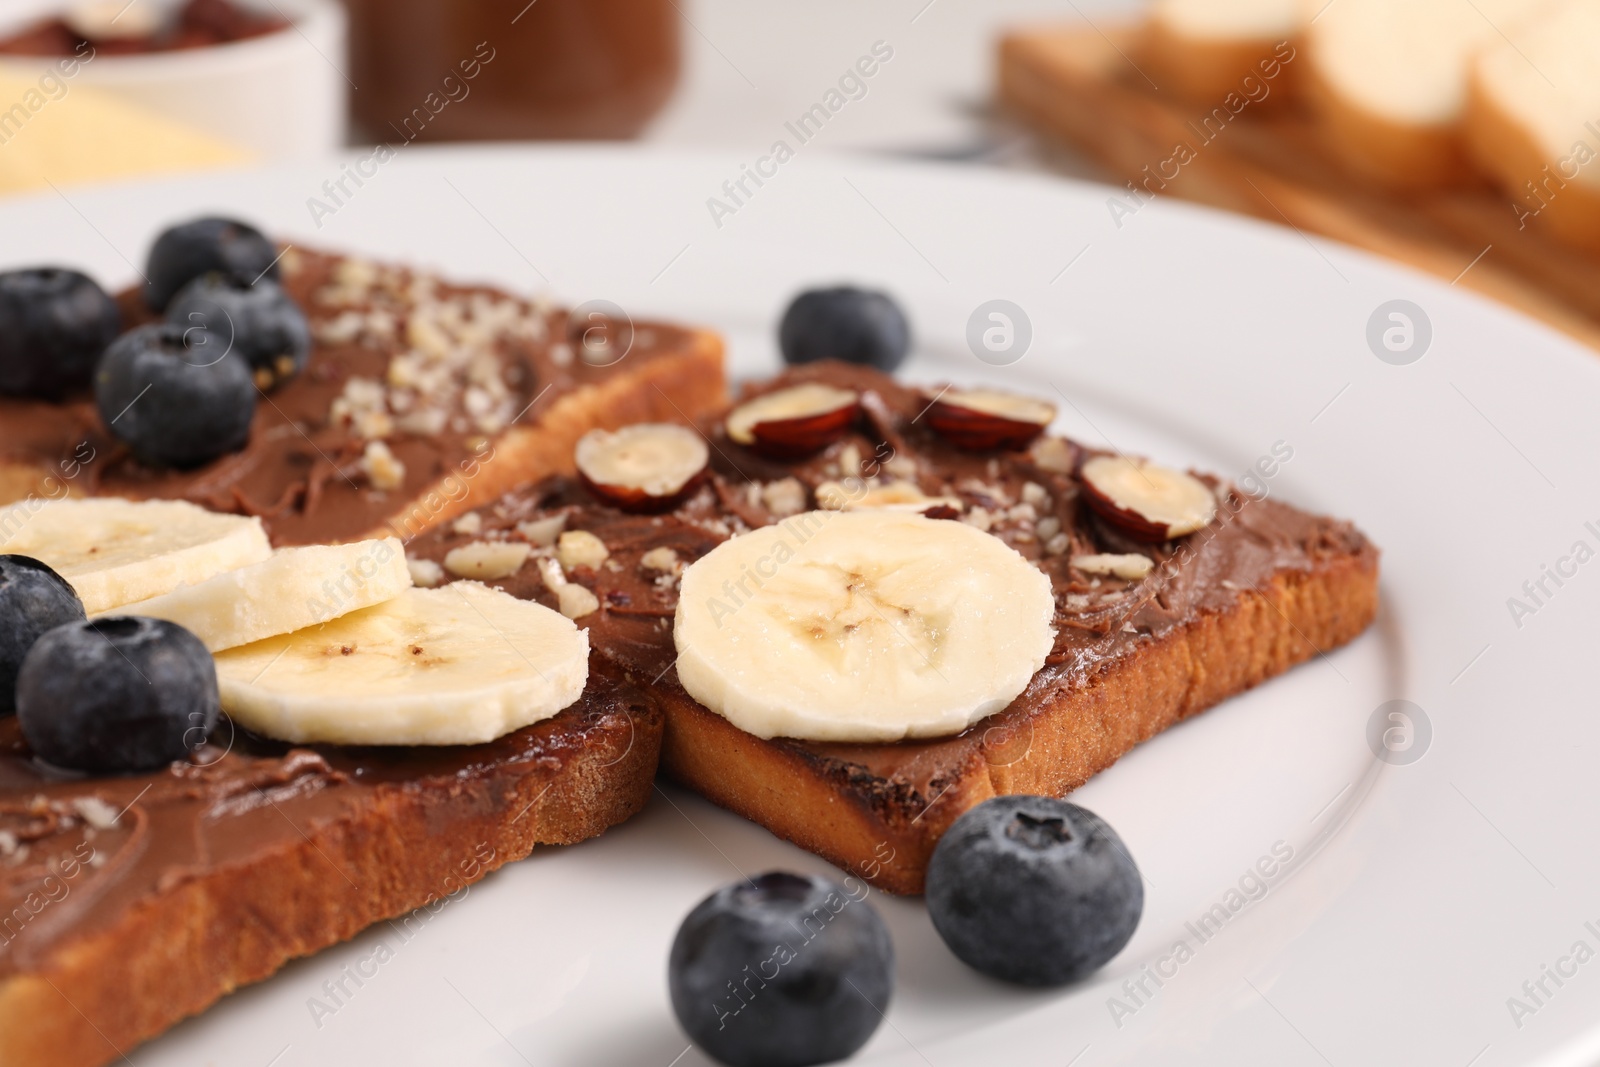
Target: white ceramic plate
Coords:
[(1419, 896)]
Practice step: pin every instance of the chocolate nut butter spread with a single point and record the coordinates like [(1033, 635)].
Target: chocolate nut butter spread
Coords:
[(79, 855), (1030, 500), (412, 382)]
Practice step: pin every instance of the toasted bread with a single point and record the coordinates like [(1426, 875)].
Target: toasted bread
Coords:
[(1262, 588), (878, 811), (218, 871), (117, 927), (1533, 119), (400, 358)]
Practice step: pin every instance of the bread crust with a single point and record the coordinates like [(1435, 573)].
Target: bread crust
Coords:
[(884, 831), (176, 953), (667, 387), (1205, 70), (1397, 156), (411, 843), (1509, 154)]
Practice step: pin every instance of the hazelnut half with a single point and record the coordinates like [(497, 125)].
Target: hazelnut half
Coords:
[(646, 467), (982, 420), (795, 422), (1145, 501)]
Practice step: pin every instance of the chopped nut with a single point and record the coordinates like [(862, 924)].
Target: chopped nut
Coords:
[(1022, 513), (96, 812), (469, 525), (978, 517), (849, 461), (784, 498), (8, 843), (382, 324), (425, 422), (543, 532), (342, 329), (363, 394), (901, 467), (1131, 566), (580, 548), (1057, 545), (424, 334), (1035, 494), (477, 401), (1047, 527), (355, 273), (550, 571), (371, 425), (425, 573), (1052, 454), (576, 601), (404, 371), (382, 469), (487, 560), (660, 559)]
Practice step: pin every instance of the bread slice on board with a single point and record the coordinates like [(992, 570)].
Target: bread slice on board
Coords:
[(1533, 119), (1205, 49), (1388, 81)]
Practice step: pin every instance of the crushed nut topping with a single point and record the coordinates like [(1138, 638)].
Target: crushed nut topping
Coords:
[(543, 532), (487, 560), (580, 548), (382, 469), (1130, 566), (661, 559), (784, 498), (425, 573)]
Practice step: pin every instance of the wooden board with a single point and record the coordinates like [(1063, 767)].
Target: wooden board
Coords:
[(1080, 84)]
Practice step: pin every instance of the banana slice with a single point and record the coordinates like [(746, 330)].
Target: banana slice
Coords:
[(117, 552), (861, 626), (459, 665), (295, 588)]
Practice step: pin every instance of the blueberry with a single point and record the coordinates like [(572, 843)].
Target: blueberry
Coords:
[(176, 396), (117, 694), (54, 324), (849, 324), (1033, 890), (185, 252), (781, 971), (259, 322), (33, 599)]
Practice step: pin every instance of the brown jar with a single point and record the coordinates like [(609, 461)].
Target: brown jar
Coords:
[(509, 69)]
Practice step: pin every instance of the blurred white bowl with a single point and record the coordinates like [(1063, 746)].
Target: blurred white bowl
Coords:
[(281, 96)]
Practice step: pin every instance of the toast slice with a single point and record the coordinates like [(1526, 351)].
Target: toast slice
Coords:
[(1205, 49), (421, 399), (1262, 588), (1388, 80), (130, 903), (1533, 119)]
